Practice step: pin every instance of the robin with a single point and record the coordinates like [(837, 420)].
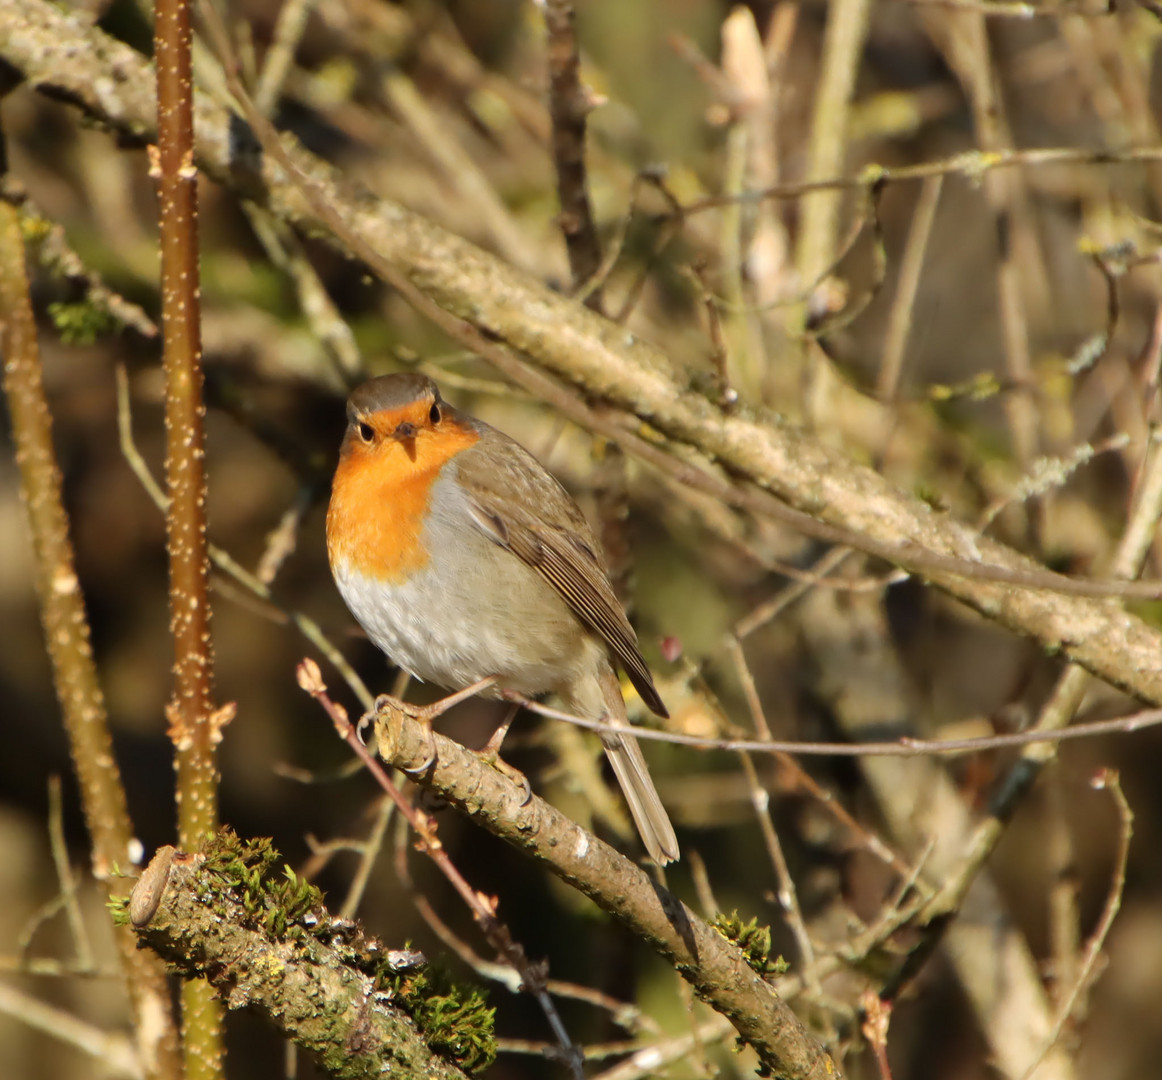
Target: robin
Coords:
[(463, 559)]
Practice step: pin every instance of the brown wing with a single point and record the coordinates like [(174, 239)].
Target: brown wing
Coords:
[(521, 507)]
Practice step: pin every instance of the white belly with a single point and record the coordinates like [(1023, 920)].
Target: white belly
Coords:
[(474, 610)]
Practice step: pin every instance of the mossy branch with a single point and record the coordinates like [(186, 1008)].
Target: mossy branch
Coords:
[(263, 939)]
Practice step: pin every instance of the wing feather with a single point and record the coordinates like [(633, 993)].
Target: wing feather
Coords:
[(565, 554)]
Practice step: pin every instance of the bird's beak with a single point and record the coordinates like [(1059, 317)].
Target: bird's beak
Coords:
[(405, 435)]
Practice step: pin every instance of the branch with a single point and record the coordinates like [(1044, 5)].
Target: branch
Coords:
[(569, 105), (190, 714), (263, 940), (194, 726), (714, 966), (484, 908), (500, 311)]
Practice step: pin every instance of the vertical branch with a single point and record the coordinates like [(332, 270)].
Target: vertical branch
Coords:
[(185, 473), (280, 57), (194, 727), (963, 40), (66, 629), (569, 106), (842, 46), (749, 145), (815, 247), (911, 266)]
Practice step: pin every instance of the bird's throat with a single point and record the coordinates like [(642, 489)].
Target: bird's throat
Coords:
[(379, 501)]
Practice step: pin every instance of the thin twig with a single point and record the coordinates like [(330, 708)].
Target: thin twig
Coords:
[(787, 894), (623, 1013), (288, 32), (222, 560), (966, 47), (842, 48), (459, 169), (112, 1052), (798, 777), (877, 1015), (569, 105), (287, 252), (906, 746), (372, 847), (1063, 902), (1106, 780), (283, 538), (64, 873), (46, 967), (763, 613), (903, 303), (652, 1060)]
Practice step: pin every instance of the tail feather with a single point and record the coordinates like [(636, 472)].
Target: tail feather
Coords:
[(629, 766)]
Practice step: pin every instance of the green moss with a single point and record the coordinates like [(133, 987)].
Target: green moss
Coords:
[(277, 902), (755, 943), (34, 228), (118, 907), (980, 387), (753, 940), (455, 1020), (81, 323)]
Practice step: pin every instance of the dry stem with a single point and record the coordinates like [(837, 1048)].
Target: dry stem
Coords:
[(193, 728)]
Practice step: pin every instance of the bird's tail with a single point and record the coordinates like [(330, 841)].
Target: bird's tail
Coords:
[(653, 823)]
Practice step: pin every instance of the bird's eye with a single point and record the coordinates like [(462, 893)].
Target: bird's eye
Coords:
[(366, 431), (434, 413)]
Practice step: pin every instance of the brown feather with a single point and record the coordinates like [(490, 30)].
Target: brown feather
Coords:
[(564, 553)]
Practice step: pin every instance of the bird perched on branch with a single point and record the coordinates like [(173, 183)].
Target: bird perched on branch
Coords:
[(463, 559)]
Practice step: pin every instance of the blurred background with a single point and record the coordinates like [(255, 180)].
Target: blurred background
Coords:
[(945, 330)]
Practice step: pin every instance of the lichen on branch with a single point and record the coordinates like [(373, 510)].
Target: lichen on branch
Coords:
[(263, 938)]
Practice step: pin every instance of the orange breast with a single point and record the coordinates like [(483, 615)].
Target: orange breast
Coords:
[(379, 500)]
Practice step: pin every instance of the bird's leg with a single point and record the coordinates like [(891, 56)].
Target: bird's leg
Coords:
[(423, 714), (490, 753)]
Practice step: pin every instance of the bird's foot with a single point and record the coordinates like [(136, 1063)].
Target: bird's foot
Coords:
[(424, 715), (489, 753)]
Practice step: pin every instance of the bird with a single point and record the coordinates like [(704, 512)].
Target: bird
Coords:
[(463, 558)]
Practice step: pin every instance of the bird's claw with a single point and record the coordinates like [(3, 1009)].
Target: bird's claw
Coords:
[(510, 771), (365, 721), (490, 755), (424, 715), (386, 704), (430, 754), (368, 719)]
